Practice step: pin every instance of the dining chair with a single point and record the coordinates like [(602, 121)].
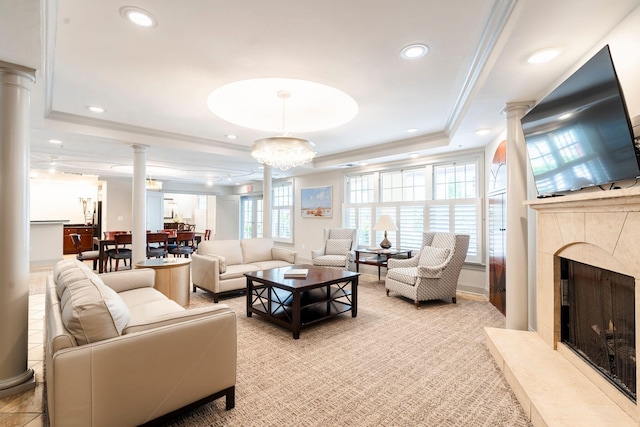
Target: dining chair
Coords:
[(157, 245), (120, 251), (207, 234), (186, 243), (94, 256)]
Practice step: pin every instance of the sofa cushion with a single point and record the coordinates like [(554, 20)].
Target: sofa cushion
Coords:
[(431, 256), (406, 275), (330, 261), (229, 249), (238, 270), (337, 246), (69, 271), (256, 250), (92, 311)]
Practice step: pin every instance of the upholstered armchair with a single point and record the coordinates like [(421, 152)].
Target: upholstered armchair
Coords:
[(338, 251), (431, 274)]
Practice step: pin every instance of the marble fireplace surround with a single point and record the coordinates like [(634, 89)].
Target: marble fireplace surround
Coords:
[(554, 386)]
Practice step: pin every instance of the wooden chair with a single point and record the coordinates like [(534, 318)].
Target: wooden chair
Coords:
[(157, 245), (186, 243), (84, 255), (207, 234), (120, 251)]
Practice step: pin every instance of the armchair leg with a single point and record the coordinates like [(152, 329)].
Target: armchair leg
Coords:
[(387, 292), (417, 304), (454, 299)]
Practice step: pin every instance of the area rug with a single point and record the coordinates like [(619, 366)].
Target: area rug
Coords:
[(392, 365)]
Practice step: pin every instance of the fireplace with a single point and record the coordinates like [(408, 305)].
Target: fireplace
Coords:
[(556, 386), (597, 321)]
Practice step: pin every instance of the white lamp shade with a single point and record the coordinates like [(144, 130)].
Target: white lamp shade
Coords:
[(385, 223)]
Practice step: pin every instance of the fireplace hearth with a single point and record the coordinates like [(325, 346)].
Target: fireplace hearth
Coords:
[(598, 321)]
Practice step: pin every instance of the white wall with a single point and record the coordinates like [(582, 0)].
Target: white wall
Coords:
[(117, 202), (58, 197)]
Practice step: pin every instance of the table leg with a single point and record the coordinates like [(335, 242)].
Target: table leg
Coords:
[(354, 297), (295, 327), (249, 296)]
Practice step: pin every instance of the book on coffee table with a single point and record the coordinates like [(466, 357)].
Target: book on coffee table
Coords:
[(296, 273)]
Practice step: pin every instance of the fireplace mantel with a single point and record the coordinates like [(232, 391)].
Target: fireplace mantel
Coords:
[(600, 228)]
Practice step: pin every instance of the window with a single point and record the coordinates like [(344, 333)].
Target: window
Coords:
[(251, 217), (282, 212), (456, 207), (442, 197)]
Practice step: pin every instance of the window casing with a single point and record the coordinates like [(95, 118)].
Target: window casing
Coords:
[(282, 212)]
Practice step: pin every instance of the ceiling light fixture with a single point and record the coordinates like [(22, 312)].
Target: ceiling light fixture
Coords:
[(55, 141), (414, 51), (95, 109), (542, 56), (414, 155), (231, 136), (482, 132), (283, 152), (412, 130), (138, 16), (153, 185)]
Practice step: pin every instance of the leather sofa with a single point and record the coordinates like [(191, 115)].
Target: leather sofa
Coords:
[(120, 353), (218, 266)]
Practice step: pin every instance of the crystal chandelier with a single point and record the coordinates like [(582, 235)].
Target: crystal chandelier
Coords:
[(153, 185), (283, 152)]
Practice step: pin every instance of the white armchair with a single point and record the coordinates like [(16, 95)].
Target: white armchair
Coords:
[(431, 274), (338, 251)]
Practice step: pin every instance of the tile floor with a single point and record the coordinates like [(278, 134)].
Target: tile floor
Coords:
[(25, 409)]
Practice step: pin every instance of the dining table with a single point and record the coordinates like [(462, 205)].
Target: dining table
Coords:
[(102, 244)]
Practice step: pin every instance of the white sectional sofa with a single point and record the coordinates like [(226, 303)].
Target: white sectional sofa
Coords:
[(218, 266), (120, 353)]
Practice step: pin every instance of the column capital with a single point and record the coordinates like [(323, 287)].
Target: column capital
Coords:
[(519, 107), (20, 70), (140, 148)]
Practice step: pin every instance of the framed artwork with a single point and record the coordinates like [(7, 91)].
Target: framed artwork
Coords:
[(316, 202)]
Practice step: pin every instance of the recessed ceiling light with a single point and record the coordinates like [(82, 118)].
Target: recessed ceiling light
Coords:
[(231, 136), (55, 141), (544, 55), (95, 109), (414, 51), (483, 132), (412, 130), (414, 155), (138, 16), (362, 163)]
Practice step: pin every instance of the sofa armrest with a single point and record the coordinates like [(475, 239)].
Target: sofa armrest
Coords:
[(315, 253), (403, 263), (121, 281), (205, 271), (284, 255), (144, 375)]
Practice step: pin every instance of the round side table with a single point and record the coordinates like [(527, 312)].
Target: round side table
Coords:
[(173, 277)]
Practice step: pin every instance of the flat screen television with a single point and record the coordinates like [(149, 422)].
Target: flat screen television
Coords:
[(580, 135)]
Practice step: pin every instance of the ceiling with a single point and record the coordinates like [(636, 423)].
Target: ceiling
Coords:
[(154, 83)]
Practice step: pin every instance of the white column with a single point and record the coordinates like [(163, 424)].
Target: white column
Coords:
[(15, 98), (517, 219), (139, 204), (266, 201)]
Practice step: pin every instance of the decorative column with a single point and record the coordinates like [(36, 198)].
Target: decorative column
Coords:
[(266, 201), (139, 204), (517, 219), (15, 98)]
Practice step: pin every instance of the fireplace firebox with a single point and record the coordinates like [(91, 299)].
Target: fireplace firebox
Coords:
[(598, 321)]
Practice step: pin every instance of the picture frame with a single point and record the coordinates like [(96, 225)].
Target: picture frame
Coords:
[(316, 202)]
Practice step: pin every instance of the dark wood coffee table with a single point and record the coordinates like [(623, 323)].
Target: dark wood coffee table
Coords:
[(297, 303)]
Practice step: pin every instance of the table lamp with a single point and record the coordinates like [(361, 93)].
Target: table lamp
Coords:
[(385, 222)]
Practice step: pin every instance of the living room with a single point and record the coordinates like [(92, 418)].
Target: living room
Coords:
[(333, 168)]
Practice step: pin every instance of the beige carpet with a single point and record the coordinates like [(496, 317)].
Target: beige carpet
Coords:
[(392, 365)]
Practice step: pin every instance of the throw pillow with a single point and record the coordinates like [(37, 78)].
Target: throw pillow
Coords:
[(337, 247), (431, 256)]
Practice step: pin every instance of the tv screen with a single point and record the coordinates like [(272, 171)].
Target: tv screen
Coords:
[(580, 135)]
